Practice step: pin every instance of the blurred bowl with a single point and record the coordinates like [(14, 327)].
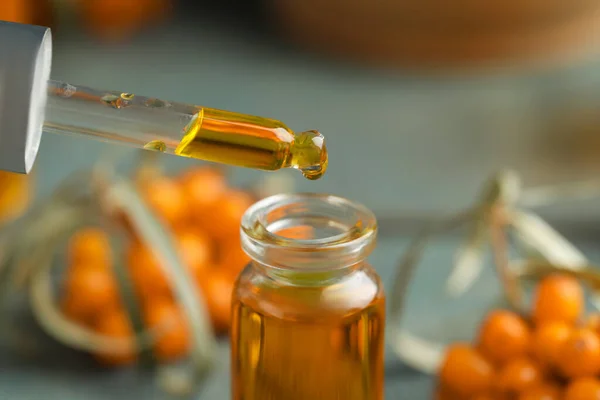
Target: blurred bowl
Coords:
[(438, 34)]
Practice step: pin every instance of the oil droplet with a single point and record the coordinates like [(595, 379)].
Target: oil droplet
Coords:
[(156, 103), (312, 173), (156, 145), (309, 154), (112, 100), (127, 96)]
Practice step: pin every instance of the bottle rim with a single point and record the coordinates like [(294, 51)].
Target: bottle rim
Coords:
[(322, 232)]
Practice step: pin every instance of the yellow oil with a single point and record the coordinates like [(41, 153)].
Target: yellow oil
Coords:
[(331, 355), (252, 142), (112, 100), (156, 145), (117, 101), (127, 96)]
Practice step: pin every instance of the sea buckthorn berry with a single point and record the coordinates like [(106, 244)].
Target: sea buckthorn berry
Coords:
[(16, 192), (89, 290), (488, 396), (443, 393), (592, 322), (175, 341), (545, 391), (16, 11), (558, 298), (465, 371), (217, 288), (519, 375), (579, 355), (224, 217), (583, 389), (503, 336), (115, 324), (167, 199), (547, 340), (203, 188), (148, 273), (231, 256), (90, 245)]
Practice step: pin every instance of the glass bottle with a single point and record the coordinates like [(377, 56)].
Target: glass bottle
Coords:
[(308, 311)]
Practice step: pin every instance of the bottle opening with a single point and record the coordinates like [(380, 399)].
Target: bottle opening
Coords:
[(308, 231)]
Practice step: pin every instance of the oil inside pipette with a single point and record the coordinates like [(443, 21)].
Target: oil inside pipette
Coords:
[(242, 140), (156, 145), (253, 142)]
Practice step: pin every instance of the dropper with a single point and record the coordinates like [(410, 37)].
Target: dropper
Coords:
[(31, 103)]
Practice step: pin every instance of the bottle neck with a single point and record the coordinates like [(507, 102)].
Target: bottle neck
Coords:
[(308, 237), (297, 277)]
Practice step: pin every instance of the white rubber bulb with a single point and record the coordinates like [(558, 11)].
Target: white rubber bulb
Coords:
[(25, 64)]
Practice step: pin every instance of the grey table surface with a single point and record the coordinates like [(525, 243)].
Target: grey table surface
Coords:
[(431, 141)]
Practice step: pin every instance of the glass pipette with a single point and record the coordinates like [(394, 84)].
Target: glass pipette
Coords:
[(31, 103), (183, 129)]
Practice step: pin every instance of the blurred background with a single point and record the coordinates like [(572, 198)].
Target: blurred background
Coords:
[(465, 95), (420, 102)]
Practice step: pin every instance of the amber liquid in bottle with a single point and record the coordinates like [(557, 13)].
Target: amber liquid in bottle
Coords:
[(305, 344)]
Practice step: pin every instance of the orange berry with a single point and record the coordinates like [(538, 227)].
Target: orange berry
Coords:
[(36, 12), (74, 311), (547, 340), (545, 391), (89, 291), (558, 298), (167, 199), (217, 289), (90, 246), (232, 257), (15, 189), (465, 371), (503, 336), (175, 341), (518, 375), (592, 322), (224, 218), (443, 393), (579, 355), (203, 187), (583, 389), (115, 324), (15, 11), (195, 251), (485, 396), (147, 272)]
